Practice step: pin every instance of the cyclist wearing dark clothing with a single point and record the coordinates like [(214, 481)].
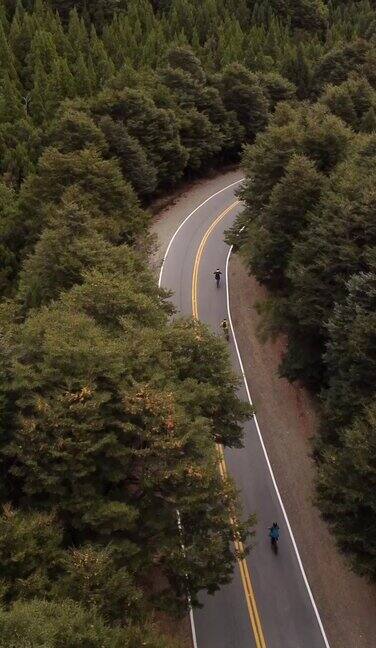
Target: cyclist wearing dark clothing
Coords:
[(274, 532), (217, 275)]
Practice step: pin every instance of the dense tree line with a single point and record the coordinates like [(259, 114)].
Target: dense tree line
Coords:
[(309, 236), (108, 409)]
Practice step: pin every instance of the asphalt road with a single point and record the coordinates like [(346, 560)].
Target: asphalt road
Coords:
[(276, 609)]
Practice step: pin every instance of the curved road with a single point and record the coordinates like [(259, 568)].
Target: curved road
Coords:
[(269, 602)]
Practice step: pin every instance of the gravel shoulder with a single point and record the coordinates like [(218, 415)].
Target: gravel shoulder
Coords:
[(288, 421)]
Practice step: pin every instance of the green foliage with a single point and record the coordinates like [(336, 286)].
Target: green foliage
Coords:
[(353, 101), (288, 167), (8, 236), (95, 580), (308, 233), (357, 56), (276, 87), (68, 625), (109, 412), (74, 130), (304, 14), (30, 550), (243, 94), (346, 490), (350, 354), (99, 186), (115, 457), (155, 128), (274, 230)]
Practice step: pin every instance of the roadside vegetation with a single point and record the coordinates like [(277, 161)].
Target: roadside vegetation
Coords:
[(309, 236), (108, 409)]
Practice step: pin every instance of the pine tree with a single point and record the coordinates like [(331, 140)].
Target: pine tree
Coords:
[(11, 108), (95, 579), (82, 78), (7, 58), (77, 33), (104, 67), (39, 94)]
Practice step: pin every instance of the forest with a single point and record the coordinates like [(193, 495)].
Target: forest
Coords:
[(109, 408)]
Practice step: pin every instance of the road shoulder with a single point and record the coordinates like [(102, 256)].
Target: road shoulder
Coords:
[(288, 420)]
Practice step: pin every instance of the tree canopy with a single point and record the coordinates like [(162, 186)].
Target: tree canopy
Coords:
[(109, 408)]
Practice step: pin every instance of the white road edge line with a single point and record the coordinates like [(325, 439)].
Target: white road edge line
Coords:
[(269, 464)]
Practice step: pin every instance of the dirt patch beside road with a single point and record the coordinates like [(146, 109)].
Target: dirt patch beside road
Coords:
[(288, 420)]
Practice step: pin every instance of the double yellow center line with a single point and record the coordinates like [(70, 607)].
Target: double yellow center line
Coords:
[(243, 566)]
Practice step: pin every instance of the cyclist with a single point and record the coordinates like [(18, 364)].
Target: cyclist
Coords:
[(224, 325), (274, 533), (217, 275)]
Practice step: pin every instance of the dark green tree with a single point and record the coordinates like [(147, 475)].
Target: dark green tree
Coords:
[(346, 490), (133, 159), (368, 123), (31, 554), (74, 130), (155, 128), (101, 187), (350, 355), (242, 94)]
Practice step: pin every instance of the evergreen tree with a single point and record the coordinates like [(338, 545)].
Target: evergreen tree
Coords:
[(74, 130), (82, 78), (7, 58), (350, 354), (275, 229), (39, 97), (346, 490), (242, 94), (351, 100), (39, 622), (109, 413), (277, 88), (93, 578), (31, 554), (66, 249), (133, 159), (155, 128), (336, 65), (11, 108), (199, 137), (8, 234), (102, 189)]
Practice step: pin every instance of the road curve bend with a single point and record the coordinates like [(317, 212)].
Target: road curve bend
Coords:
[(269, 603)]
